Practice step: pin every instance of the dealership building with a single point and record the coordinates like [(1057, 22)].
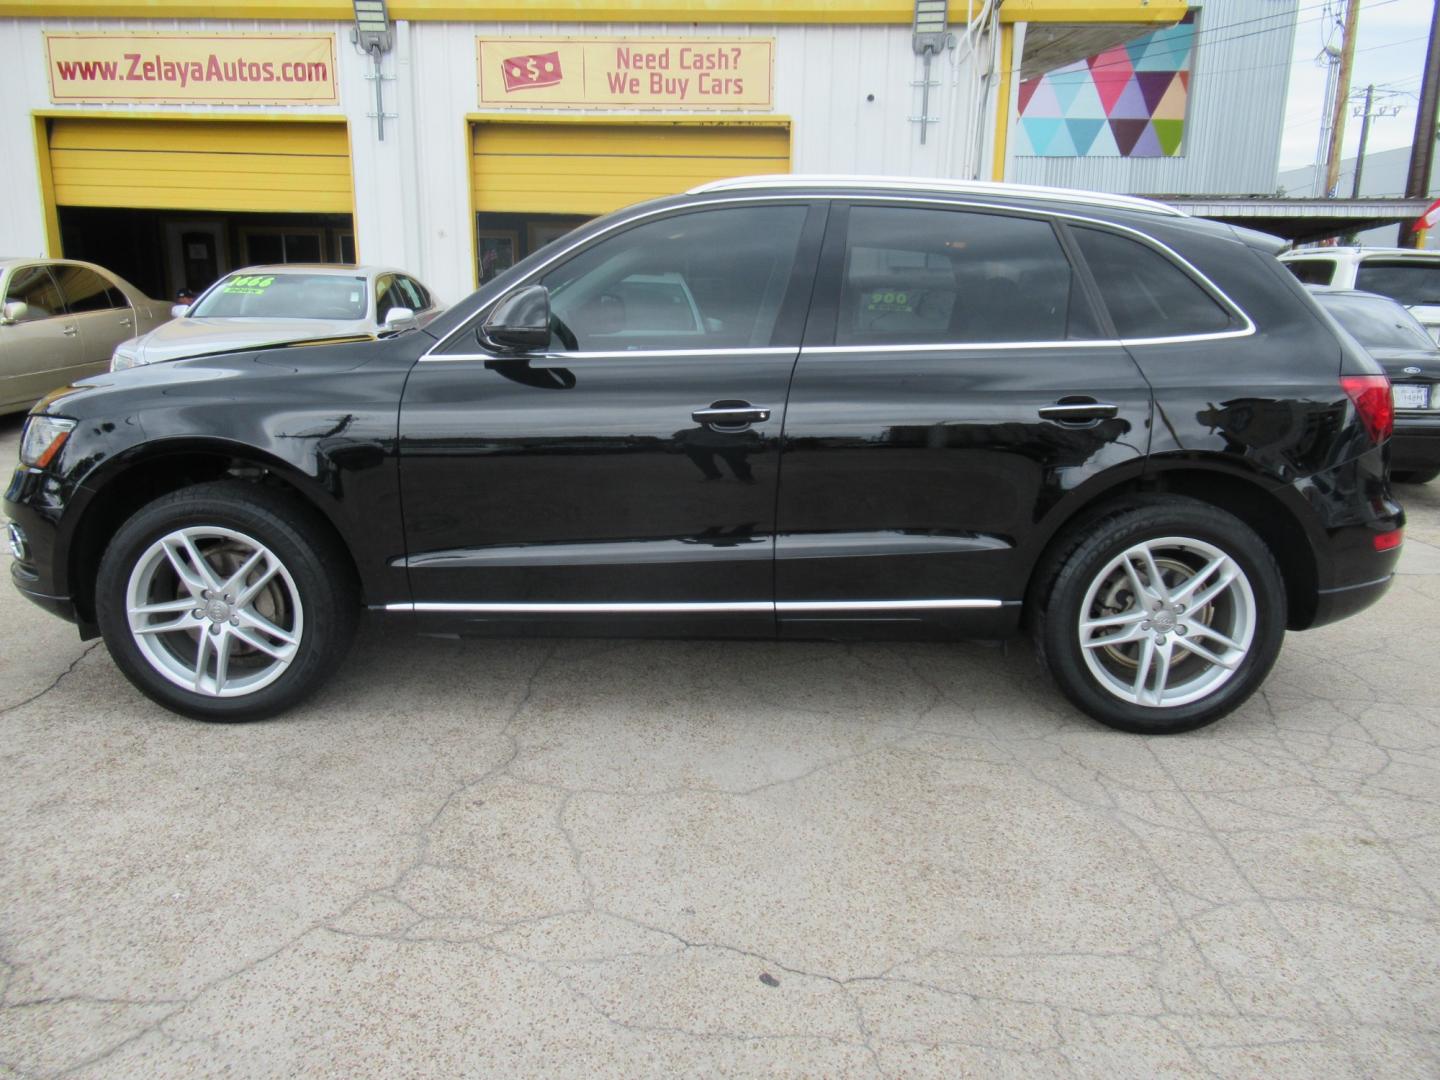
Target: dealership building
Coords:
[(172, 141)]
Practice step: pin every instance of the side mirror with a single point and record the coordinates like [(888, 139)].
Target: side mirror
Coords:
[(179, 310), (399, 318), (520, 321), (15, 311)]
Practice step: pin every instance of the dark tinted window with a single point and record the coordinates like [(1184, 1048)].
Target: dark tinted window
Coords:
[(86, 290), (712, 279), (1312, 271), (1147, 294), (934, 276), (415, 293), (36, 289), (1375, 322), (1409, 282), (388, 295)]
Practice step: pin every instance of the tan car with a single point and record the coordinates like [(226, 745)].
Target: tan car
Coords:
[(61, 321)]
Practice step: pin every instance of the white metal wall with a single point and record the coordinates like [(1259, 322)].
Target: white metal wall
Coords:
[(411, 197)]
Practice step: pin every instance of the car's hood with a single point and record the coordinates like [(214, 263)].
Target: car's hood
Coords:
[(194, 337), (1408, 365)]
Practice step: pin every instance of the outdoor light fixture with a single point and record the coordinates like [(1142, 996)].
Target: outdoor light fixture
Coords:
[(372, 25), (932, 24), (372, 37), (930, 36)]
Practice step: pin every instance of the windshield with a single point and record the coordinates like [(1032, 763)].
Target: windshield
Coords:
[(1377, 323), (284, 296), (1409, 282)]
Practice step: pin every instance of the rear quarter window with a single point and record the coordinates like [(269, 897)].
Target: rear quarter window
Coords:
[(1147, 295), (1312, 271)]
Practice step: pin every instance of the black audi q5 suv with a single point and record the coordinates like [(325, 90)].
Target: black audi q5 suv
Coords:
[(771, 407)]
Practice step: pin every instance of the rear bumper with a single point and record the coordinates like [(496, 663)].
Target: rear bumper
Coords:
[(1416, 442), (1332, 605)]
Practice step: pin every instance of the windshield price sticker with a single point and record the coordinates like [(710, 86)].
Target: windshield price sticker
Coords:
[(639, 73), (248, 286)]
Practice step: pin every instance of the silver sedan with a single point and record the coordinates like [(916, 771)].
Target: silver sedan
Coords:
[(60, 322), (271, 305)]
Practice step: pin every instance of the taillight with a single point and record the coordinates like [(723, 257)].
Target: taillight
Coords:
[(1373, 403), (1389, 541)]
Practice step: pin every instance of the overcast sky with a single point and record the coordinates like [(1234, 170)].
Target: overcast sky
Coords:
[(1389, 52)]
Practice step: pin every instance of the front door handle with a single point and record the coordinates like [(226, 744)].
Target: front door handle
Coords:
[(70, 331), (126, 322), (731, 415), (1079, 410)]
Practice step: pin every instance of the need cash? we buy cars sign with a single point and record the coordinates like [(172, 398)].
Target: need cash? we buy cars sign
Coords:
[(636, 73), (232, 69)]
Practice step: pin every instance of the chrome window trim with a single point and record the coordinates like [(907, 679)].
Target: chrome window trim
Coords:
[(940, 201), (789, 350), (686, 607)]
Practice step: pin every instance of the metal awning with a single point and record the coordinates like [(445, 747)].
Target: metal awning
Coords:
[(1300, 219)]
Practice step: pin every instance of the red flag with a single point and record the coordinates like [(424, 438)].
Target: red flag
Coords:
[(527, 72), (1429, 218)]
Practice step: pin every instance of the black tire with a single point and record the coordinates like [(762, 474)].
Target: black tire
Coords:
[(1414, 476), (315, 568), (1080, 558)]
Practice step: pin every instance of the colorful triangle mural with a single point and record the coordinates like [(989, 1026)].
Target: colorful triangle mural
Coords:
[(1128, 101)]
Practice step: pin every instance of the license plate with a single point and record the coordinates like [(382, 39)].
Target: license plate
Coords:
[(1411, 397)]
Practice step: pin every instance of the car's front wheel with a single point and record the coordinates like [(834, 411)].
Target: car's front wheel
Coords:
[(1162, 616), (225, 601)]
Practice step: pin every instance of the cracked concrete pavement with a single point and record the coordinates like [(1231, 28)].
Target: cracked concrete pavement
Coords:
[(597, 859)]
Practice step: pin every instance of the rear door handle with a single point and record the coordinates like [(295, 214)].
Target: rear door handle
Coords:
[(70, 331), (1079, 410), (726, 414), (126, 322)]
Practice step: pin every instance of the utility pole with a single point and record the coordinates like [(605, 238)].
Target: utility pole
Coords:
[(1422, 150), (1367, 112), (1342, 98), (1364, 138)]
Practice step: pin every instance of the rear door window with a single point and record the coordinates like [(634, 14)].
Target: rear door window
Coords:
[(1409, 281), (1148, 296), (85, 290), (916, 276), (1312, 271)]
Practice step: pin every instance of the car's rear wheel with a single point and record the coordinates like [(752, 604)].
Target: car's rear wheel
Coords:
[(1162, 616), (225, 601), (1414, 476)]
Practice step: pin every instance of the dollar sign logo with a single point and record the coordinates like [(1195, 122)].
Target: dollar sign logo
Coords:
[(532, 69)]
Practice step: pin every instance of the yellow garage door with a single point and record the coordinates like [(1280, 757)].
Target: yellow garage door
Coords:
[(560, 168), (200, 165)]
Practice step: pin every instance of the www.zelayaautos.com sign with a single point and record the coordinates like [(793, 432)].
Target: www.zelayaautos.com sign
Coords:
[(238, 69)]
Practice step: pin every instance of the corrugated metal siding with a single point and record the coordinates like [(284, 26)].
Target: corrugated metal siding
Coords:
[(1235, 119), (199, 165), (593, 168)]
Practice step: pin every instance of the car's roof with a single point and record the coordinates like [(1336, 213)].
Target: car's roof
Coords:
[(13, 260), (819, 183), (1356, 294), (332, 269), (1362, 253)]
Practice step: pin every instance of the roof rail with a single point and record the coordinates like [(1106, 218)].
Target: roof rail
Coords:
[(949, 187)]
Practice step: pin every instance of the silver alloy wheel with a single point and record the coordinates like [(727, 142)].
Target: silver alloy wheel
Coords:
[(214, 611), (1167, 622)]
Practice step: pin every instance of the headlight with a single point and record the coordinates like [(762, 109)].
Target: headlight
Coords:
[(124, 358), (43, 438)]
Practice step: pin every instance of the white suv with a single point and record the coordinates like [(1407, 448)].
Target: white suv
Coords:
[(1409, 276)]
